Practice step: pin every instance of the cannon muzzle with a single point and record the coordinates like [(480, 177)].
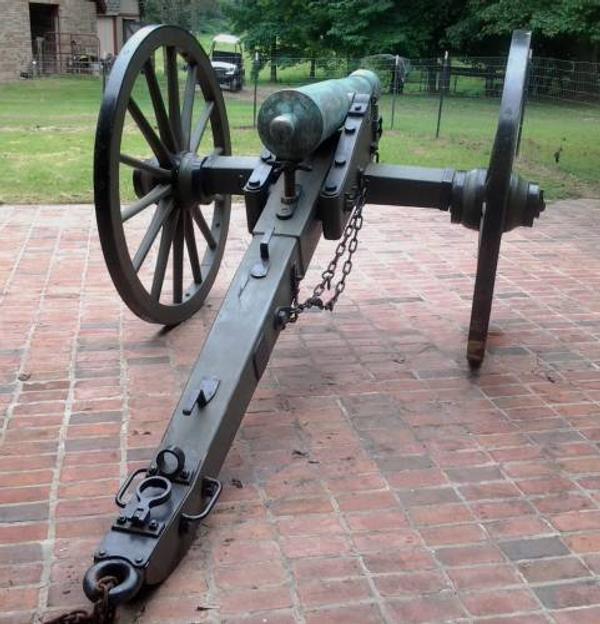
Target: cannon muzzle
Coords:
[(292, 123)]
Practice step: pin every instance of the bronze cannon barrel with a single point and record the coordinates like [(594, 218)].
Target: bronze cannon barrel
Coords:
[(292, 123)]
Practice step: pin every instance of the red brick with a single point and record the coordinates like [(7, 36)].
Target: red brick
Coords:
[(29, 494), (518, 527), (245, 552), (17, 575), (244, 601), (564, 503), (499, 602), (575, 594), (315, 524), (376, 521), (400, 538), (548, 485), (395, 585), (367, 501), (489, 491), (355, 614), (469, 555), (19, 533), (426, 609), (440, 514), (494, 510), (18, 598), (316, 593), (484, 577), (584, 543), (456, 534), (301, 506), (407, 559), (576, 520), (589, 615), (326, 567), (544, 571), (311, 546)]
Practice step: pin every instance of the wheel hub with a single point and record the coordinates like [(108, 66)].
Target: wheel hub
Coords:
[(186, 188)]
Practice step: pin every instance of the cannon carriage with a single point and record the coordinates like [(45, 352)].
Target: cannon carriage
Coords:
[(315, 178)]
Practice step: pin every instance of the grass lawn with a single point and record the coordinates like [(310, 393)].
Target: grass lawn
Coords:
[(47, 133)]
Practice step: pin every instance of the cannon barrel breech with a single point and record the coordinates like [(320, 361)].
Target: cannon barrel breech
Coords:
[(292, 123)]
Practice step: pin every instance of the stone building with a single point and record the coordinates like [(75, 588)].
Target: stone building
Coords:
[(60, 31)]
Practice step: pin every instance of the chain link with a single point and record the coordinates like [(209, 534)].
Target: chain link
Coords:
[(346, 247), (101, 613)]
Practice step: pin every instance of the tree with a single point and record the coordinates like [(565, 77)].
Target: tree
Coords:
[(283, 31), (190, 14), (557, 26)]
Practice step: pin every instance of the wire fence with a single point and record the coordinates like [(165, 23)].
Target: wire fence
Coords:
[(549, 78)]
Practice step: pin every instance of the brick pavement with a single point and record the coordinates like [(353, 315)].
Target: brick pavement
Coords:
[(374, 478)]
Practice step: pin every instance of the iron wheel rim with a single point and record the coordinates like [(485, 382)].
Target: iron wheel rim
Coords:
[(107, 171), (497, 187)]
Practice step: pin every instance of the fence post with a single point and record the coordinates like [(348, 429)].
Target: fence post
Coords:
[(443, 80), (255, 72), (394, 89)]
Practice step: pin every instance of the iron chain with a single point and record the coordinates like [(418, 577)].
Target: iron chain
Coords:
[(346, 247), (101, 613)]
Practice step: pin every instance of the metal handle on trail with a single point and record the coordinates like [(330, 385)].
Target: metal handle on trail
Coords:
[(217, 488), (123, 489)]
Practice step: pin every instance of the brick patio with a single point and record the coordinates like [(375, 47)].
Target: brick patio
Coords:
[(374, 478)]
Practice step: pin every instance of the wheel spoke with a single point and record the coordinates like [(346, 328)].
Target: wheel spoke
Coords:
[(154, 196), (201, 223), (190, 242), (164, 127), (166, 238), (173, 89), (201, 127), (163, 210), (160, 151), (178, 261), (158, 172), (188, 105)]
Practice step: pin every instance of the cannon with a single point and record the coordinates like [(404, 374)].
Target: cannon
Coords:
[(318, 171)]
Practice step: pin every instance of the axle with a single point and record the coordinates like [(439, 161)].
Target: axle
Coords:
[(459, 192)]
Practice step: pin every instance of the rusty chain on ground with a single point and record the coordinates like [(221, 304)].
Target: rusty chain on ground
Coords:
[(102, 612)]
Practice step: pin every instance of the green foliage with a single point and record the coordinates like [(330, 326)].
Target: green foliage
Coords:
[(554, 24), (195, 15), (413, 28)]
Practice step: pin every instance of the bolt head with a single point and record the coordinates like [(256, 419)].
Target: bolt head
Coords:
[(121, 520), (101, 553), (153, 524), (139, 559)]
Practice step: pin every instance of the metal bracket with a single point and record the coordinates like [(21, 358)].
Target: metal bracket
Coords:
[(260, 269), (201, 398), (288, 204), (137, 517), (256, 190)]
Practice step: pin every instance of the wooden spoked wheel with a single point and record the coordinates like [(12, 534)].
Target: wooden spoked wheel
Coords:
[(497, 188), (162, 247)]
